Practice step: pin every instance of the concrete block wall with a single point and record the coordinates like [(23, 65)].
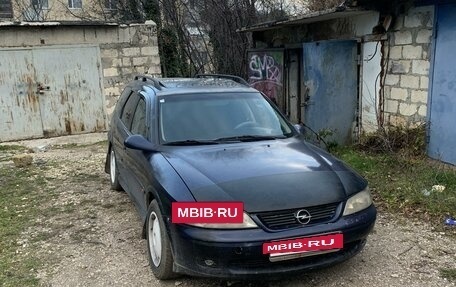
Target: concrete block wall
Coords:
[(407, 77), (138, 54)]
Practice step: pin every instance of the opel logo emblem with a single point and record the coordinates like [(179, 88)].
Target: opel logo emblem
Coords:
[(303, 216)]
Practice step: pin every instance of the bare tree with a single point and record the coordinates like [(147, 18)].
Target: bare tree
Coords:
[(218, 46), (195, 36), (221, 20)]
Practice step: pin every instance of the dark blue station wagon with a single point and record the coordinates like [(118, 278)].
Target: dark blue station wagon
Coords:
[(214, 139)]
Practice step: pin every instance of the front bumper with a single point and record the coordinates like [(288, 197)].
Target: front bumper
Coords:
[(238, 253)]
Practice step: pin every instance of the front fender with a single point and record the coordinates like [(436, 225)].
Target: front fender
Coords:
[(166, 186)]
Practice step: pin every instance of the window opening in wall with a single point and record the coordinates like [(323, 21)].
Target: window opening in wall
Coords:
[(75, 4), (40, 4), (5, 9)]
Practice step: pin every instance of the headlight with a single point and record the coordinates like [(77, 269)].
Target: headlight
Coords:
[(247, 223), (358, 202)]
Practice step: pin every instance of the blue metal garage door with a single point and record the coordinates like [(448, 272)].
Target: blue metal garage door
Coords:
[(442, 115), (330, 77)]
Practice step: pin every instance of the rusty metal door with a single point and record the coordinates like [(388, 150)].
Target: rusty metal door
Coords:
[(442, 113), (331, 79), (19, 107), (50, 91), (71, 98)]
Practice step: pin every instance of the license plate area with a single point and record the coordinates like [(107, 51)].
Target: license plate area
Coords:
[(302, 247), (293, 255)]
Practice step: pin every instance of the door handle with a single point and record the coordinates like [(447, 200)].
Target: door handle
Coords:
[(308, 103), (306, 97), (41, 88)]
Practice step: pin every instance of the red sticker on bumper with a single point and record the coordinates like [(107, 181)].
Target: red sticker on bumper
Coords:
[(323, 242), (207, 212)]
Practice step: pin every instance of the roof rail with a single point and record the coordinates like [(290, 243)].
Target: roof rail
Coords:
[(147, 78), (223, 76)]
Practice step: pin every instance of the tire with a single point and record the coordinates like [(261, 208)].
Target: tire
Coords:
[(158, 245), (113, 171)]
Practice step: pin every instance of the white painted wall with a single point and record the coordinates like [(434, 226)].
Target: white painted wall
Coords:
[(363, 24), (370, 70), (370, 78)]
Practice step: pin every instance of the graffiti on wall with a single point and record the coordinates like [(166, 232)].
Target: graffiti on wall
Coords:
[(265, 72)]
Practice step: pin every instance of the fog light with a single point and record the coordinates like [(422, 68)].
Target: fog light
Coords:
[(209, 262)]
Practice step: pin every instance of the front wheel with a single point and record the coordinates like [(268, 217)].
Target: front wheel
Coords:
[(158, 245), (113, 171)]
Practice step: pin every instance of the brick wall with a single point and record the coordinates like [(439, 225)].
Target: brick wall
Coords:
[(407, 78)]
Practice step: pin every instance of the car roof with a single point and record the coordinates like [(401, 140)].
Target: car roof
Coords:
[(172, 86)]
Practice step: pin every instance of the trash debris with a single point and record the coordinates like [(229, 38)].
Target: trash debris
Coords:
[(394, 275), (438, 188), (41, 148), (22, 160), (435, 188), (426, 192), (451, 221)]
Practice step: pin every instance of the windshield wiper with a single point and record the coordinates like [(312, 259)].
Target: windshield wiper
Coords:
[(192, 142), (247, 138)]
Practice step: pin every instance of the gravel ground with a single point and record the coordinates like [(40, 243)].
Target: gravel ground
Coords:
[(97, 242)]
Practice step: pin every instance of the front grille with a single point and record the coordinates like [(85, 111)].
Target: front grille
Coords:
[(284, 219)]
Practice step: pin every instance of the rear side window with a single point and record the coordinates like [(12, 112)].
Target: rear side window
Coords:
[(138, 125), (129, 109)]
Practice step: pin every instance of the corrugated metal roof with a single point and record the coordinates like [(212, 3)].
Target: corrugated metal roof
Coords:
[(334, 13)]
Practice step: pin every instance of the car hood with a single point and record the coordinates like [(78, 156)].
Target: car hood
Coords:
[(266, 175)]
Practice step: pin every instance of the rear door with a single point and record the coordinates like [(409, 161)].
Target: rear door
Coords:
[(137, 161)]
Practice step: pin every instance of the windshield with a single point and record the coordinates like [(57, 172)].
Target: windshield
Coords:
[(210, 117)]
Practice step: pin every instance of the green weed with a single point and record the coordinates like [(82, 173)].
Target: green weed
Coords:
[(404, 183), (20, 198), (448, 273)]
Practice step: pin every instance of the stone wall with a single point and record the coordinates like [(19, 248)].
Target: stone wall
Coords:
[(126, 50), (122, 61), (407, 79)]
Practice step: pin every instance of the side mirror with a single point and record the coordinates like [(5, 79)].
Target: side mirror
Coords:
[(139, 142)]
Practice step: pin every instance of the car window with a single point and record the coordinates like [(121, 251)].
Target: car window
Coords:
[(129, 109), (213, 116), (122, 99), (138, 125)]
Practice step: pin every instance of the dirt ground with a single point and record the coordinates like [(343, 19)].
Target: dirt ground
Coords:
[(97, 242)]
